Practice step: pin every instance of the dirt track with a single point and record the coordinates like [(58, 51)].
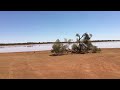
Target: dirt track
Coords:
[(39, 65)]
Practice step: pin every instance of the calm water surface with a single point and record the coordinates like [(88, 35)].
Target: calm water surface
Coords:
[(43, 47)]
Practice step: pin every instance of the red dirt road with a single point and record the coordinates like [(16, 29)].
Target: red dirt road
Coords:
[(39, 65)]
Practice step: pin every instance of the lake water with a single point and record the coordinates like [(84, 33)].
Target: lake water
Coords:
[(43, 47)]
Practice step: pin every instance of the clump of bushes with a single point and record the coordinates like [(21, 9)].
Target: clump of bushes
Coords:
[(82, 46), (57, 48), (94, 49), (75, 48)]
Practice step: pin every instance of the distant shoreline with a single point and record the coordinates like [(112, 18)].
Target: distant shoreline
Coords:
[(48, 51), (29, 43)]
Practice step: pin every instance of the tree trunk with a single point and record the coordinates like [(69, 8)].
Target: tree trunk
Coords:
[(79, 46)]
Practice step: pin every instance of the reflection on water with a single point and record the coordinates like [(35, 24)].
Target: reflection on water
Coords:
[(42, 47), (24, 48)]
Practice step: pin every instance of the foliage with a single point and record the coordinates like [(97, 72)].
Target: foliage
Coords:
[(74, 48), (78, 35), (84, 46), (67, 44), (57, 48), (95, 49)]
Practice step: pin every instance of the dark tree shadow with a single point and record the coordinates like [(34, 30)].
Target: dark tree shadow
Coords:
[(56, 54)]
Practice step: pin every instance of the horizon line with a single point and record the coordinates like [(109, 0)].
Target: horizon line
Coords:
[(26, 43)]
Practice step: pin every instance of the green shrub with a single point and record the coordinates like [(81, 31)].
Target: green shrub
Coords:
[(99, 50), (95, 49), (75, 48), (58, 48)]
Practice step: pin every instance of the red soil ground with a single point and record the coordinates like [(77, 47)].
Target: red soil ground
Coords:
[(40, 65)]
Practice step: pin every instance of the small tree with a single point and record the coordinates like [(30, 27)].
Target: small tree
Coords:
[(81, 45), (85, 45), (68, 42), (57, 48), (75, 48), (86, 40), (78, 40)]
